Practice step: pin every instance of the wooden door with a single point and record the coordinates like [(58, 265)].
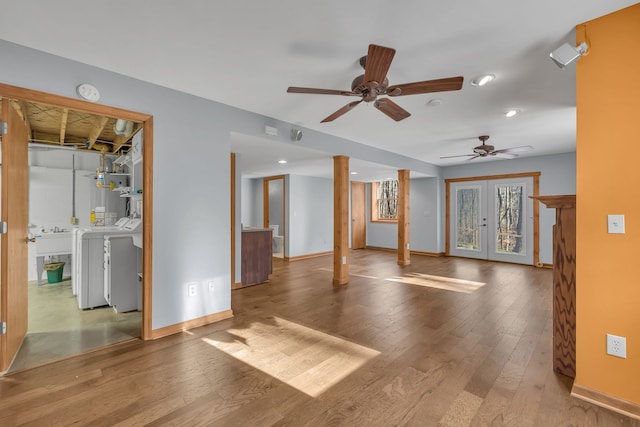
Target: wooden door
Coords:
[(13, 264), (358, 216)]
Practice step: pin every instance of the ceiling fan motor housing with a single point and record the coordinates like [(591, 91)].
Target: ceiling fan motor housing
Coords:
[(369, 94)]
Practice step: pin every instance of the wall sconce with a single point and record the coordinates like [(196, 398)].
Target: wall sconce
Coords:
[(567, 54)]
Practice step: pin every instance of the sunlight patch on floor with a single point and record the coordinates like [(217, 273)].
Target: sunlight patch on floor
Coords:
[(439, 282), (306, 359)]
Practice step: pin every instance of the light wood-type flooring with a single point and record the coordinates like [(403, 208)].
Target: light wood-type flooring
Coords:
[(442, 342)]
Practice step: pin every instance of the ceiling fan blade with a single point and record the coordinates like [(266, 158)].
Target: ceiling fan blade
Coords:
[(391, 109), (341, 111), (471, 158), (293, 89), (440, 85), (460, 155), (515, 149), (504, 155), (377, 64)]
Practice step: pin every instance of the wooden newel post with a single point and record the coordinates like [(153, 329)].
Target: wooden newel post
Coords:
[(564, 282)]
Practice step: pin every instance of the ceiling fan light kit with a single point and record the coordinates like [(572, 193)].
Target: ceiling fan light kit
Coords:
[(374, 83)]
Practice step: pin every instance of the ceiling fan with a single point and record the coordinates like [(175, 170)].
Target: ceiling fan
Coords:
[(484, 150), (374, 83)]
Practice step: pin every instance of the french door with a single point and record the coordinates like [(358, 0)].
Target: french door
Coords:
[(492, 219)]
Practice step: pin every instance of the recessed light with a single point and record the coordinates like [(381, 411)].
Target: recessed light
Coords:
[(434, 102), (512, 113), (282, 162), (483, 79), (354, 173)]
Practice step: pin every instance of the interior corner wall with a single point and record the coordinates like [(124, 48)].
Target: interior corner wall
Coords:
[(607, 290)]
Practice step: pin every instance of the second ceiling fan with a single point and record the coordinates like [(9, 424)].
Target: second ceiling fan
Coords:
[(374, 83)]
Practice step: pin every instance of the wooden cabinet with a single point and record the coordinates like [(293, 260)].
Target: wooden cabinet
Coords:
[(564, 282), (256, 256)]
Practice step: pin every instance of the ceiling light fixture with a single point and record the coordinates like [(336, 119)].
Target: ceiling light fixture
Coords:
[(88, 92), (483, 79), (567, 54), (282, 162), (354, 173), (511, 113), (434, 102)]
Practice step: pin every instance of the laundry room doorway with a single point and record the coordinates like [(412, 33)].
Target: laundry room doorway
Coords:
[(31, 109)]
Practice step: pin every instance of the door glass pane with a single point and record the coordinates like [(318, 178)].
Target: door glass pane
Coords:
[(467, 214), (510, 217)]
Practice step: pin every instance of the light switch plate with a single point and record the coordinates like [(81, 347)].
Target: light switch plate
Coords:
[(615, 224)]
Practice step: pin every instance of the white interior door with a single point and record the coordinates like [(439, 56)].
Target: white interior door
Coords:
[(492, 219), (511, 225), (468, 211)]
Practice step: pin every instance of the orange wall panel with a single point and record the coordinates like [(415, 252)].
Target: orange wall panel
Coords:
[(608, 182)]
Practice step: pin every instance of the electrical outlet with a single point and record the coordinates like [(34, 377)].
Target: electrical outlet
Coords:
[(617, 346), (212, 286), (192, 287)]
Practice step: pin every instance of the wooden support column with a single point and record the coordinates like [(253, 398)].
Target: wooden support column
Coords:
[(404, 255), (340, 220)]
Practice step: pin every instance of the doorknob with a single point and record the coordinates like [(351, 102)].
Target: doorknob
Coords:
[(30, 239)]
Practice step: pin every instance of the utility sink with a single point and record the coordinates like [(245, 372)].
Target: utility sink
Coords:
[(53, 243)]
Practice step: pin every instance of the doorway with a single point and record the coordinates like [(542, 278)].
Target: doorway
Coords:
[(493, 219), (15, 302), (274, 213)]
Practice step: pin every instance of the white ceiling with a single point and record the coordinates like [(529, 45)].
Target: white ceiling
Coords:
[(246, 53)]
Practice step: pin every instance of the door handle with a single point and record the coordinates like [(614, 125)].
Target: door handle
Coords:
[(483, 225), (30, 239)]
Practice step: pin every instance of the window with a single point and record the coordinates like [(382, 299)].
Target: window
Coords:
[(384, 201)]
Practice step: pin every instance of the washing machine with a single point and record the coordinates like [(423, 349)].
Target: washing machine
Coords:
[(88, 261)]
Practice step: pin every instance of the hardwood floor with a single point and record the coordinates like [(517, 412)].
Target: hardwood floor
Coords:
[(396, 346)]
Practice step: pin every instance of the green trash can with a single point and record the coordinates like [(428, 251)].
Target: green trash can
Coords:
[(54, 271)]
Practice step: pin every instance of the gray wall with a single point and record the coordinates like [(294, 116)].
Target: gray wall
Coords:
[(252, 202), (310, 213), (424, 233)]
